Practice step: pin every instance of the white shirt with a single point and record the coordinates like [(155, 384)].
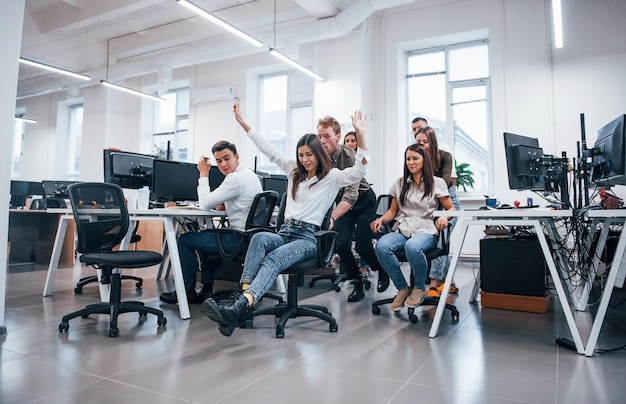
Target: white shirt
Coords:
[(416, 214), (312, 202), (236, 192)]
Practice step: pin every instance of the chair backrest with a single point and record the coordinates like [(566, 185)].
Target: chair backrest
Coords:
[(382, 204), (100, 214), (262, 209), (280, 217)]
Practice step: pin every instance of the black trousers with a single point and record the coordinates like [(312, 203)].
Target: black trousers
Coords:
[(361, 215)]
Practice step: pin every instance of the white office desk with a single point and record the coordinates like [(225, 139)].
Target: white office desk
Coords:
[(536, 218), (167, 216), (616, 273)]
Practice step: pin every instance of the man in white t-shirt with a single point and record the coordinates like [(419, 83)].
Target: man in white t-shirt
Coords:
[(235, 194)]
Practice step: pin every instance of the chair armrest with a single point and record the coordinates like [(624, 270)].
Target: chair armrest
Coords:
[(326, 240)]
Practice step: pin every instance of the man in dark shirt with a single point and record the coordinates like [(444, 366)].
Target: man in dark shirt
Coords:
[(356, 207)]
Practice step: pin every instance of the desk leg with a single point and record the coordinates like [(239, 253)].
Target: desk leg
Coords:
[(441, 306), (56, 254), (606, 295), (179, 282), (559, 287)]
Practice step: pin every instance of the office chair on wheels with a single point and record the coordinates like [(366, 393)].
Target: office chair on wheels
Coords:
[(134, 238), (259, 219), (102, 222), (291, 309), (442, 249)]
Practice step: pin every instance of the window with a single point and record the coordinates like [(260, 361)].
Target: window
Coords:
[(75, 132), (18, 143), (449, 86), (171, 126), (285, 113)]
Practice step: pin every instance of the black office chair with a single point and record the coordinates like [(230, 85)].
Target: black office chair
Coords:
[(102, 222), (291, 309), (134, 238), (259, 219), (442, 249)]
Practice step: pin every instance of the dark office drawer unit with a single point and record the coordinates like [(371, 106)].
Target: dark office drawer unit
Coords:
[(512, 266)]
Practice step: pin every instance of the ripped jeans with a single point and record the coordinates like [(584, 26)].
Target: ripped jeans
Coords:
[(269, 254)]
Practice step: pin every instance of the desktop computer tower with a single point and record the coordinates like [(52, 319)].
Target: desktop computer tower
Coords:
[(512, 266)]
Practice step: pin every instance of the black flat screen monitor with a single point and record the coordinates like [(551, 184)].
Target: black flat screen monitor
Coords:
[(21, 190), (524, 162), (127, 169), (174, 181), (215, 178), (56, 189), (608, 165), (278, 184)]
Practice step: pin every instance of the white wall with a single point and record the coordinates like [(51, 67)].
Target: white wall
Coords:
[(537, 90)]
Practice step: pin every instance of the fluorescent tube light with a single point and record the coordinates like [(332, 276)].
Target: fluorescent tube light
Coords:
[(295, 64), (218, 21), (557, 24), (27, 120), (54, 69), (131, 91)]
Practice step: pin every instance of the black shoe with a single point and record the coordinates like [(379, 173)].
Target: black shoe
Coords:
[(171, 298), (383, 281), (357, 294), (205, 292), (227, 316)]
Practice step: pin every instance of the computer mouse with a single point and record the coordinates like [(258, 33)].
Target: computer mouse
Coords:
[(484, 207), (505, 206)]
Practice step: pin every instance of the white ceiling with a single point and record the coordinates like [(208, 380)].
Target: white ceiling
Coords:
[(117, 39)]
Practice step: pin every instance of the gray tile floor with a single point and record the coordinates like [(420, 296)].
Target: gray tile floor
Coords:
[(489, 356)]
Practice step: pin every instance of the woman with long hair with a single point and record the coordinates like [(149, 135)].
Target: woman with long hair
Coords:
[(415, 197), (312, 188)]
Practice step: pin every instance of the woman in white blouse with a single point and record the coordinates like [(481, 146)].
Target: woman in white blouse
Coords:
[(415, 197), (312, 188)]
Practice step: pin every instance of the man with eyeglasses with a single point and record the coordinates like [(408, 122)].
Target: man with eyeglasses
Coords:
[(235, 194), (356, 206)]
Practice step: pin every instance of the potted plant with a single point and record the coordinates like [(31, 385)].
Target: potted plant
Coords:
[(464, 176)]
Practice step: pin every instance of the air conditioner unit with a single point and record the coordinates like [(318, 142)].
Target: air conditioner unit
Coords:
[(213, 94)]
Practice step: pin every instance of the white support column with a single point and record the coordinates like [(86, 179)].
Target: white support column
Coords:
[(11, 19)]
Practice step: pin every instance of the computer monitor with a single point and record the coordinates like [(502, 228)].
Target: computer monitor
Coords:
[(127, 169), (524, 162), (174, 181), (56, 189), (608, 165), (21, 190), (278, 184), (215, 178)]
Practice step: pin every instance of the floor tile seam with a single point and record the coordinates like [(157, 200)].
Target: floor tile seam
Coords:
[(512, 400)]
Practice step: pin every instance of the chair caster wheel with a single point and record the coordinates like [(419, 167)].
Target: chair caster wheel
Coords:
[(375, 310), (63, 327), (78, 291), (139, 284), (161, 321), (280, 333), (311, 284), (114, 332), (413, 318), (337, 288), (367, 285), (334, 327), (143, 314)]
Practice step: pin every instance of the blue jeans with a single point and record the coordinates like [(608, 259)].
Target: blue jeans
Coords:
[(414, 249), (269, 254), (439, 266), (203, 244)]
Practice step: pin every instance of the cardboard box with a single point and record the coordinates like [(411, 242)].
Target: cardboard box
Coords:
[(533, 304)]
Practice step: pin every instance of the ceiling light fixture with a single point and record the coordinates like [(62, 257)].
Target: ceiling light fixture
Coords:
[(218, 21), (54, 69), (557, 24), (23, 119), (131, 91), (295, 64)]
